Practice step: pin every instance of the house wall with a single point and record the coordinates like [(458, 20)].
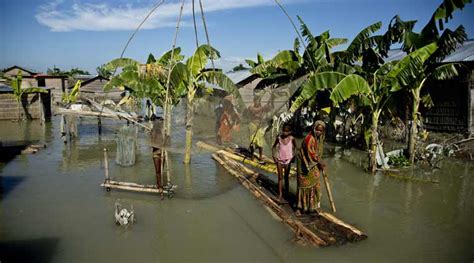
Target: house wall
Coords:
[(471, 102), (9, 106), (94, 86), (453, 104), (13, 72), (56, 86), (29, 82), (95, 90)]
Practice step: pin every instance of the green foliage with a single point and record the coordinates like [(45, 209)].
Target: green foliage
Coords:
[(18, 91), (441, 15), (239, 67), (102, 71), (198, 61), (55, 71), (151, 59), (398, 161), (170, 56), (72, 96), (410, 68), (351, 85)]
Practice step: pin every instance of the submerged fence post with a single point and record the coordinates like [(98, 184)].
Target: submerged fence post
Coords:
[(126, 146), (106, 168), (99, 125)]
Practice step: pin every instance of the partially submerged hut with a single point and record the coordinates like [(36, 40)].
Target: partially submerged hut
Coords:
[(94, 88), (55, 83), (14, 70), (33, 105), (453, 109)]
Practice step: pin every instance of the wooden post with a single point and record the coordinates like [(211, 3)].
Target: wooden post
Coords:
[(106, 167), (41, 109), (99, 125), (328, 188), (62, 128)]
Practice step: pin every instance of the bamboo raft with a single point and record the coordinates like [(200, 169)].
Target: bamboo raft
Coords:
[(323, 229), (268, 165), (134, 187)]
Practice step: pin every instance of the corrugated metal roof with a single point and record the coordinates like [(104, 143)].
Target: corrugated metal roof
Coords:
[(395, 54), (238, 76), (5, 88), (461, 54)]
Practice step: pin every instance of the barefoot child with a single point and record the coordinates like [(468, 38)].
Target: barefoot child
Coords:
[(283, 151)]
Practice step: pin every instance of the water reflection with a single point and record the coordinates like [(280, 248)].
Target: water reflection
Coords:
[(212, 218)]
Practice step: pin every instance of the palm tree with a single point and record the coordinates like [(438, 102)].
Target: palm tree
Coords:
[(18, 91)]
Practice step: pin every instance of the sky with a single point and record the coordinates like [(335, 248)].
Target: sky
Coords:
[(40, 34)]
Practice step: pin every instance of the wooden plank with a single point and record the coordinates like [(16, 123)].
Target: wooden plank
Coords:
[(266, 167), (133, 187), (325, 226), (299, 228)]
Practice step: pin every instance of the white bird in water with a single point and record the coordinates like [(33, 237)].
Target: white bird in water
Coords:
[(123, 216)]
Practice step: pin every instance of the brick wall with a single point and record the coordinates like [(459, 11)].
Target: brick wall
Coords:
[(31, 102)]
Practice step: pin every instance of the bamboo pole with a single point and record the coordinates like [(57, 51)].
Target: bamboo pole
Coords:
[(85, 113), (351, 232), (266, 167), (333, 224), (298, 227), (118, 115), (134, 187), (106, 168), (329, 191)]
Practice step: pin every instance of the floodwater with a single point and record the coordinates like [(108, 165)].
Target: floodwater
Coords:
[(52, 208)]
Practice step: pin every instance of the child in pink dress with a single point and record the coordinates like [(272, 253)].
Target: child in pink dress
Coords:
[(283, 152)]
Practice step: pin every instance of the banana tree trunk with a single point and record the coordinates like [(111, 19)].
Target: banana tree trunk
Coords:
[(167, 123), (189, 129), (413, 128), (168, 120), (19, 108), (373, 142)]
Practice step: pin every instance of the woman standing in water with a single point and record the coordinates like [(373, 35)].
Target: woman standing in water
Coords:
[(310, 165)]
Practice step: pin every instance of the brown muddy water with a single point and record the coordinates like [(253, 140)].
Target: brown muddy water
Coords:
[(52, 208)]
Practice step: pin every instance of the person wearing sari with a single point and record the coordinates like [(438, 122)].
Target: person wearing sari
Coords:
[(309, 168), (228, 120), (257, 112)]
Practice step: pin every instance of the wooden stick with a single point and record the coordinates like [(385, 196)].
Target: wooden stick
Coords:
[(106, 166), (133, 187), (85, 113), (119, 115), (315, 233), (265, 167), (328, 188), (351, 232), (295, 225)]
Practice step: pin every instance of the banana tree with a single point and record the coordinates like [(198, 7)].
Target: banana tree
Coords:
[(193, 75), (19, 92), (148, 80), (414, 77), (72, 96), (373, 90), (342, 87), (412, 73)]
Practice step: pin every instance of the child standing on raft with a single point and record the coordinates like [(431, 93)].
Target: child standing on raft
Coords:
[(283, 152)]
